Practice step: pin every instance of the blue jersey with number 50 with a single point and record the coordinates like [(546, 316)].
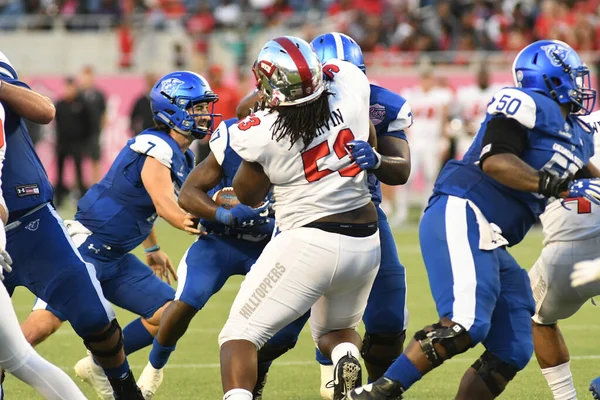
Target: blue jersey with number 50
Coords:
[(553, 143), (118, 209)]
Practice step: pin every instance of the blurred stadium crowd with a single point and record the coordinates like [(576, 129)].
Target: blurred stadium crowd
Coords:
[(394, 34), (378, 25)]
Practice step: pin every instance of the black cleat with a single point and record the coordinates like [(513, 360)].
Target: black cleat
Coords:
[(126, 388), (263, 370), (382, 389), (347, 375)]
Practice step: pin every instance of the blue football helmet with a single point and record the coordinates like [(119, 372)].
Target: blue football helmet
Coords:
[(340, 46), (173, 97), (552, 67)]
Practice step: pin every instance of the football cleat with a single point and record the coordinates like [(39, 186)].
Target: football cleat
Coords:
[(326, 389), (150, 381), (595, 388), (346, 376), (381, 389), (90, 372)]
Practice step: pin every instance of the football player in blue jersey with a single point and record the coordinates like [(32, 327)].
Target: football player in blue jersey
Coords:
[(45, 259), (234, 240), (16, 355), (117, 214), (528, 149), (386, 315)]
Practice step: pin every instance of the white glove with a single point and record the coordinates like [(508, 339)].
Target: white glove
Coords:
[(5, 262), (585, 272)]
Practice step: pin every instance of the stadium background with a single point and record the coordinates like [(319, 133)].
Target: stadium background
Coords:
[(126, 40)]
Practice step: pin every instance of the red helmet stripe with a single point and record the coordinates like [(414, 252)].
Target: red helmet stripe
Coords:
[(299, 60)]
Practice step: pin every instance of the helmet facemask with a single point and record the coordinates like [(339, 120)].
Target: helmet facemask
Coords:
[(576, 91), (193, 123)]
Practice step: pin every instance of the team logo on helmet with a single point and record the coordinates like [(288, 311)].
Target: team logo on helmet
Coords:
[(377, 113), (267, 68), (556, 53), (170, 86)]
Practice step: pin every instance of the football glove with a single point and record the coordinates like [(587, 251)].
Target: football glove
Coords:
[(586, 188), (240, 215), (585, 272), (5, 263), (365, 156)]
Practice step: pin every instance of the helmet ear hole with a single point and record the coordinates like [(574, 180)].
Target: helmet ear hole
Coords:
[(556, 81)]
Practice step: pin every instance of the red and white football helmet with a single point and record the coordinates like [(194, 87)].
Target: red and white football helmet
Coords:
[(288, 72)]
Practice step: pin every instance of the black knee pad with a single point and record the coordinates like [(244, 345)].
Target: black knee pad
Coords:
[(449, 337), (271, 352), (487, 364), (391, 341), (90, 340)]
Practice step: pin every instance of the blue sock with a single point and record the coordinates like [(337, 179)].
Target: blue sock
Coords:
[(159, 355), (321, 359), (404, 371), (119, 372), (136, 337)]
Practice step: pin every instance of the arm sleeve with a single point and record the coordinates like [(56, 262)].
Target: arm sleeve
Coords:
[(154, 147), (219, 140), (403, 120), (503, 135), (252, 144), (516, 104)]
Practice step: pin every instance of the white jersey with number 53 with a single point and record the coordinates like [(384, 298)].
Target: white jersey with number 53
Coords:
[(580, 219), (320, 180)]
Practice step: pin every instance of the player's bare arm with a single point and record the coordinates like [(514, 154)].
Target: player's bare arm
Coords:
[(373, 135), (395, 161), (251, 184), (157, 180), (243, 109), (27, 103), (503, 142), (151, 241), (193, 196), (510, 170), (157, 259), (591, 170)]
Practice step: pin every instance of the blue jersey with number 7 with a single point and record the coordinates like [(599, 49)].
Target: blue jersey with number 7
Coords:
[(553, 143), (118, 209)]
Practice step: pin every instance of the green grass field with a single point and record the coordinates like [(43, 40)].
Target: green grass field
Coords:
[(193, 371)]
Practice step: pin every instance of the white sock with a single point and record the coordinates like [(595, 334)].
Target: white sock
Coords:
[(238, 394), (342, 349), (50, 381), (560, 380)]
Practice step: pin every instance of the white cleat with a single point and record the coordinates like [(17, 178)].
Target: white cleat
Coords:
[(326, 377), (90, 372), (150, 381)]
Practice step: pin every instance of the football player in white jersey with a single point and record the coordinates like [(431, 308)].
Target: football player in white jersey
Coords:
[(571, 235), (326, 251), (16, 355), (471, 101), (427, 138)]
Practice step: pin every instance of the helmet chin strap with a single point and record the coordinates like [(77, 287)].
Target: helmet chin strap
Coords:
[(553, 93)]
